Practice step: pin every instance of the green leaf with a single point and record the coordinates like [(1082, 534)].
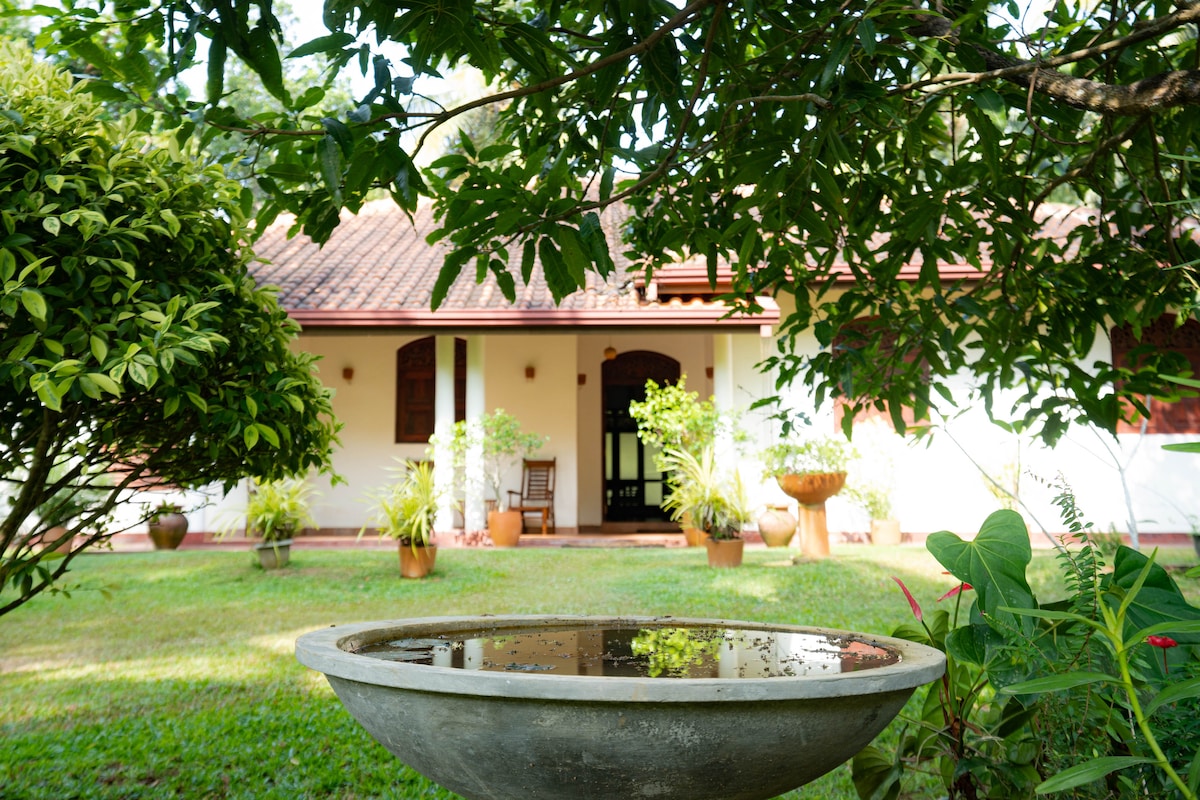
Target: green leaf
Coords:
[(323, 44), (250, 436), (268, 433), (1057, 683), (1174, 693), (1089, 771), (98, 347), (106, 383), (329, 155), (993, 563), (34, 303)]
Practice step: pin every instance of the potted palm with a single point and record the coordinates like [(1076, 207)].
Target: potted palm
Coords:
[(275, 512), (810, 470), (405, 511), (713, 499), (498, 438), (167, 526)]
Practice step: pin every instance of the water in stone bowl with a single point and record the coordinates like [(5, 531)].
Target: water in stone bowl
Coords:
[(617, 707)]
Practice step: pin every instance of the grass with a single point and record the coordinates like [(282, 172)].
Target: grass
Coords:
[(171, 674)]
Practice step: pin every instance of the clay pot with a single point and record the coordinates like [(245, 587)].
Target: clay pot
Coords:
[(416, 562), (724, 552), (812, 488), (777, 526), (885, 531), (694, 537), (504, 528), (168, 531)]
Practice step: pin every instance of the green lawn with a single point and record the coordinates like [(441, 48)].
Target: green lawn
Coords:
[(171, 674)]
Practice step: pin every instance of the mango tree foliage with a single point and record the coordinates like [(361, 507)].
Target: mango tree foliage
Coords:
[(134, 346), (796, 141)]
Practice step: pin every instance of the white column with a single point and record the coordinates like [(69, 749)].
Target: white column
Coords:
[(723, 384), (443, 427), (474, 518)]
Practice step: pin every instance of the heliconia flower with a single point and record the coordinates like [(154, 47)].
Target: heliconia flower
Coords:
[(916, 609), (962, 587)]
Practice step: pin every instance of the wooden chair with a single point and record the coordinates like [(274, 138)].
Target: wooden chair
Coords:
[(537, 492)]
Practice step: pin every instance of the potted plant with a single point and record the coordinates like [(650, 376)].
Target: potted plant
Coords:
[(876, 500), (811, 470), (672, 418), (167, 526), (275, 512), (713, 499), (502, 444), (405, 510)]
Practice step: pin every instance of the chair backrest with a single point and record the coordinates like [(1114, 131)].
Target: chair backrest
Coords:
[(538, 480)]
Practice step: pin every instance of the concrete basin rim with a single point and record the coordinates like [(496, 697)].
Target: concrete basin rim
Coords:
[(321, 650)]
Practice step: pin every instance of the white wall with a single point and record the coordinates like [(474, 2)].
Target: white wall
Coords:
[(546, 405), (941, 485)]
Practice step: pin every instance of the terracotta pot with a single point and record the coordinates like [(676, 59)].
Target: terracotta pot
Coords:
[(56, 534), (416, 562), (776, 526), (274, 555), (168, 532), (812, 488), (694, 537), (504, 528), (724, 552), (885, 531)]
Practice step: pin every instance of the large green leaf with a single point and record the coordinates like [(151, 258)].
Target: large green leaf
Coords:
[(1089, 771), (993, 563), (1158, 600)]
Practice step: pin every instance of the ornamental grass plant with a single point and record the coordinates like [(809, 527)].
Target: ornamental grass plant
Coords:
[(171, 674)]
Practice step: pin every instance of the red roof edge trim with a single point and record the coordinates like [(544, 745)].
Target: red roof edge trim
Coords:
[(652, 315)]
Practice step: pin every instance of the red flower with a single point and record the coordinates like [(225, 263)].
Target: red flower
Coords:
[(916, 609), (962, 587), (1165, 642)]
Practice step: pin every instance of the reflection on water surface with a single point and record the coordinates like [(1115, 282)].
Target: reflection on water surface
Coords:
[(656, 651)]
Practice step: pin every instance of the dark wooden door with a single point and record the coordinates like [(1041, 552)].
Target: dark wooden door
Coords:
[(633, 486)]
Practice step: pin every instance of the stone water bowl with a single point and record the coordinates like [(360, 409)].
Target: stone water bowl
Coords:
[(562, 707)]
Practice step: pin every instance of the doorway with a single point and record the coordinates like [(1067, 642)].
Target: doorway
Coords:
[(633, 486)]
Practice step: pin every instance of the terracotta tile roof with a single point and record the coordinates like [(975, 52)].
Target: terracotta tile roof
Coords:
[(378, 270)]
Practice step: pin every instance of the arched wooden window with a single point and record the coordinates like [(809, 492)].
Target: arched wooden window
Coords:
[(1182, 415), (416, 381)]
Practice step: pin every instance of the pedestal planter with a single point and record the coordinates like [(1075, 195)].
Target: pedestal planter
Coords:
[(786, 704), (274, 555), (504, 528), (777, 526), (417, 562), (167, 532), (724, 552), (885, 531), (811, 491)]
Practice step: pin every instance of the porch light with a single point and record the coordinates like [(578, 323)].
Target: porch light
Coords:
[(347, 374), (530, 372), (610, 353)]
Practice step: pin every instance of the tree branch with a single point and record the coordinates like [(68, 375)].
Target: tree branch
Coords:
[(1155, 93)]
